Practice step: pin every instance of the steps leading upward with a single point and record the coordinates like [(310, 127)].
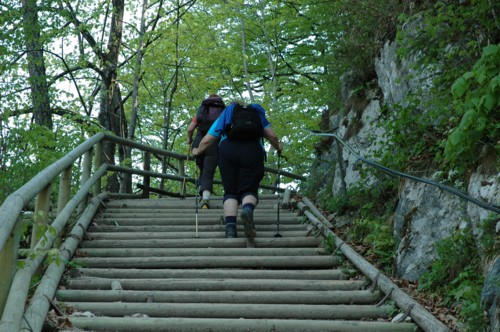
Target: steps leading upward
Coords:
[(142, 268)]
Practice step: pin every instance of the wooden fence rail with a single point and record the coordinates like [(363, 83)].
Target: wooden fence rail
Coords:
[(14, 283)]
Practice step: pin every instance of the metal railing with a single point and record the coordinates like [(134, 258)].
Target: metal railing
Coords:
[(392, 172)]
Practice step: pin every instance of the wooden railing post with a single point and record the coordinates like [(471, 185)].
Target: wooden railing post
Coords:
[(182, 173), (99, 150), (8, 257), (147, 178), (64, 189), (41, 215), (86, 169)]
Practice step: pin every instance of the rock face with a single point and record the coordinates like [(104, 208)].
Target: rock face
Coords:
[(425, 214), (490, 297)]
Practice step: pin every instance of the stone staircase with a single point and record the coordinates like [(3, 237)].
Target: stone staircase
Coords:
[(157, 265)]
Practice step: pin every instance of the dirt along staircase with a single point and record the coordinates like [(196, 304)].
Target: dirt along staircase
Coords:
[(142, 268)]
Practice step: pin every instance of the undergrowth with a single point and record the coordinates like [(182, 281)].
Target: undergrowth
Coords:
[(370, 225), (455, 277), (457, 280)]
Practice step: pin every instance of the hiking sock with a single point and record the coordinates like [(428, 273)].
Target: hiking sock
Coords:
[(247, 218), (230, 226), (249, 206), (206, 195), (205, 199), (230, 221)]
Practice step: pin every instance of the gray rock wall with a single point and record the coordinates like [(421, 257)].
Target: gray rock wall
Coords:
[(425, 215)]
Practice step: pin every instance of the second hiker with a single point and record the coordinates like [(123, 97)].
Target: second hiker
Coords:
[(208, 112), (240, 129)]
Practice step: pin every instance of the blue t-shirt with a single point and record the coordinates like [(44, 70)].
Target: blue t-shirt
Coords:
[(217, 128)]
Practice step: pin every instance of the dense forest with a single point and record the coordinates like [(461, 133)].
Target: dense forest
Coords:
[(139, 69)]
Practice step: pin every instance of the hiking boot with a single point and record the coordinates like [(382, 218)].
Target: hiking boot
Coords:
[(231, 231), (247, 218), (205, 204)]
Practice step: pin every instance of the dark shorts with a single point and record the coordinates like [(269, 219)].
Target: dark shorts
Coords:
[(207, 163), (241, 165)]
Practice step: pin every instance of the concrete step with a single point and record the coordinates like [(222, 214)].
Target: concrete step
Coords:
[(182, 252), (160, 265), (181, 324), (190, 220), (266, 297), (187, 228), (194, 242), (253, 262), (204, 273), (187, 235), (214, 284), (235, 310)]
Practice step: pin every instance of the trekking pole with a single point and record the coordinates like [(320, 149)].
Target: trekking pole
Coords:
[(196, 195), (278, 205), (196, 198), (183, 186)]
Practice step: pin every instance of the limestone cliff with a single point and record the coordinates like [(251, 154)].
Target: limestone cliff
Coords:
[(425, 214)]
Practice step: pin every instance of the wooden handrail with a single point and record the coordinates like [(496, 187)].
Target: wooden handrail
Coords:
[(14, 204), (40, 186)]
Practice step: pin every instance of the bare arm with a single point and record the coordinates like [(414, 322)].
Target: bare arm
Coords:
[(271, 136), (204, 144), (190, 131)]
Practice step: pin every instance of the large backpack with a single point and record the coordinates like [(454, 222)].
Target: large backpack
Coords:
[(208, 112), (246, 124)]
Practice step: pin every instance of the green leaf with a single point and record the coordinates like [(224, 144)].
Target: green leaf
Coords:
[(490, 49), (481, 75), (468, 119), (489, 101), (459, 87), (494, 84), (455, 138), (468, 75)]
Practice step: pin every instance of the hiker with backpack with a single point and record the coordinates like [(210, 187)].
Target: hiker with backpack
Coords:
[(207, 113), (240, 129)]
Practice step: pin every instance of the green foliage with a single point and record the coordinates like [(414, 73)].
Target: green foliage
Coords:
[(363, 201), (376, 234), (477, 95), (370, 209), (449, 35), (329, 244), (193, 51), (75, 264), (445, 39), (360, 29), (26, 153), (489, 239), (458, 280), (414, 137)]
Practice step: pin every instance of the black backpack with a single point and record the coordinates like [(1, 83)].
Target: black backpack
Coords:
[(208, 112), (246, 124)]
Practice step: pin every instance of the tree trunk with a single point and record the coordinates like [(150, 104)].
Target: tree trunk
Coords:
[(269, 49), (245, 62), (127, 181), (167, 110), (36, 65), (111, 114)]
